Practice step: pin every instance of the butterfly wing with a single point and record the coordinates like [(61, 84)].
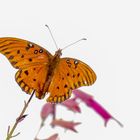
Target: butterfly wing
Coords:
[(22, 53), (32, 61), (33, 78), (69, 74)]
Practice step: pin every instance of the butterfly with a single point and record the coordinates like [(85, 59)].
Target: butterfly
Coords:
[(42, 72)]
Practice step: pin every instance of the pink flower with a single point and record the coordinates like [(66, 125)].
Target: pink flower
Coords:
[(46, 110), (53, 137), (72, 105), (82, 95), (65, 124), (90, 102)]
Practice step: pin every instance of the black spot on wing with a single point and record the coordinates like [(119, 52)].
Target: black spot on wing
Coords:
[(36, 51), (30, 59), (18, 51), (30, 45), (65, 86), (79, 83), (13, 62), (11, 57), (26, 72), (7, 53), (78, 74), (22, 56), (41, 51), (76, 62), (34, 79), (27, 48)]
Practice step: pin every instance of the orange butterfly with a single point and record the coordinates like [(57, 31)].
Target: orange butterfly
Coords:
[(43, 72)]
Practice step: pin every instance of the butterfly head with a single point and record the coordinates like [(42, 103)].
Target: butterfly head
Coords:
[(58, 53)]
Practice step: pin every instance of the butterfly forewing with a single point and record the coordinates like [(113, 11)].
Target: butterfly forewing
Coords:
[(32, 61), (22, 53), (69, 74)]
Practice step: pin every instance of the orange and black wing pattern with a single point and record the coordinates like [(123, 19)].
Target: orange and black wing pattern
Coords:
[(22, 53), (69, 74), (32, 61)]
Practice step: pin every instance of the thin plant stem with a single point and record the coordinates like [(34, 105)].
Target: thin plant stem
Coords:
[(42, 122), (41, 125), (54, 111), (20, 117)]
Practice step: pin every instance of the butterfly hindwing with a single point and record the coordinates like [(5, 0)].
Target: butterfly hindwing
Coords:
[(69, 74), (22, 53), (33, 78)]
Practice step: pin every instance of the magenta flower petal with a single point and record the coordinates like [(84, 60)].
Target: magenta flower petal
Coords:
[(102, 112), (89, 101), (82, 95), (65, 124), (46, 110), (72, 105), (53, 137)]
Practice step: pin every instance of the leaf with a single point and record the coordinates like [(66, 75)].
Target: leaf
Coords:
[(47, 109), (65, 124), (21, 118), (90, 102), (72, 105)]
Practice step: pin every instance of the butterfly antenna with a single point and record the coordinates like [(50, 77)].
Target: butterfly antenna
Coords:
[(74, 43), (52, 36)]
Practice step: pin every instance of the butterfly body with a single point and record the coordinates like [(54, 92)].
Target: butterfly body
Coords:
[(51, 67), (45, 73)]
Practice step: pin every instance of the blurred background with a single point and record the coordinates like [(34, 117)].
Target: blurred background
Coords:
[(112, 29)]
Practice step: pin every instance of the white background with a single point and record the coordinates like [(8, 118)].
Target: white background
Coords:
[(112, 50)]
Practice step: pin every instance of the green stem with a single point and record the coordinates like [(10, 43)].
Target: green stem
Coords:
[(10, 134)]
